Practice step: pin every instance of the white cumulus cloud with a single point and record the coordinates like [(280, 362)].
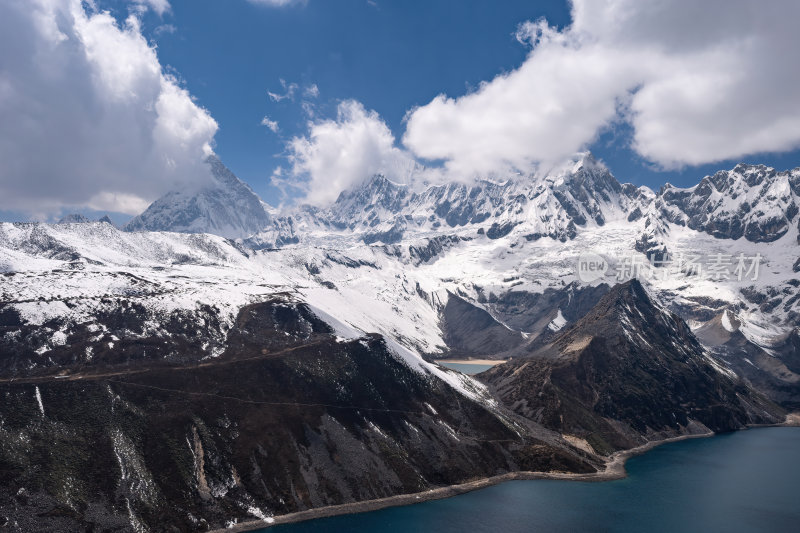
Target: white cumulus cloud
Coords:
[(89, 117), (270, 124), (697, 81), (342, 152)]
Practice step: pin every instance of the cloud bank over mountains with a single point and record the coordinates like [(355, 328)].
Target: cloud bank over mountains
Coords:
[(340, 152), (697, 82), (89, 116)]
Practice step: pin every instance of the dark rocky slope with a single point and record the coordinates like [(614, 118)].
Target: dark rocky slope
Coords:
[(472, 331), (287, 419), (627, 372)]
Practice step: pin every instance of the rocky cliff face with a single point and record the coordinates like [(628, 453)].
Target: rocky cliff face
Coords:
[(773, 369), (472, 331)]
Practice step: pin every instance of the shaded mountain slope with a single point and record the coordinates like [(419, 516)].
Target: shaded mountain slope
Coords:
[(288, 418), (774, 371), (627, 372), (470, 330)]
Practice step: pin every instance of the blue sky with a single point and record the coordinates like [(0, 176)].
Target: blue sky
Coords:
[(389, 55), (662, 92)]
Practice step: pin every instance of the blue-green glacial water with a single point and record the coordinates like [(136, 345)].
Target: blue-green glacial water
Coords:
[(748, 481)]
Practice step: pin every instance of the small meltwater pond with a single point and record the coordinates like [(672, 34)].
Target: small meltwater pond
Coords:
[(468, 367)]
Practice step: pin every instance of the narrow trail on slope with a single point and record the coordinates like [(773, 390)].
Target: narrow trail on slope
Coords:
[(109, 378), (133, 371)]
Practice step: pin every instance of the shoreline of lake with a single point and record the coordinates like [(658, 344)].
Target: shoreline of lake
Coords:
[(615, 469)]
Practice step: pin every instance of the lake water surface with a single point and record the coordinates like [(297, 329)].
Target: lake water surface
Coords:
[(748, 481), (466, 368)]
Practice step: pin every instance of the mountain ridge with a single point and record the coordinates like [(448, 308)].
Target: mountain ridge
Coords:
[(91, 315), (626, 371), (227, 207)]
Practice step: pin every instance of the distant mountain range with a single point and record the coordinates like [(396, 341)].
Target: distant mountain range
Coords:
[(80, 219), (221, 361)]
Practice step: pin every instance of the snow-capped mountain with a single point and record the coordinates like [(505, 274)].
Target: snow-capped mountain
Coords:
[(751, 201), (226, 207), (283, 332), (508, 249), (582, 194), (75, 218)]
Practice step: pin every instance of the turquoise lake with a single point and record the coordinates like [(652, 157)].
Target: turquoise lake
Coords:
[(748, 481)]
